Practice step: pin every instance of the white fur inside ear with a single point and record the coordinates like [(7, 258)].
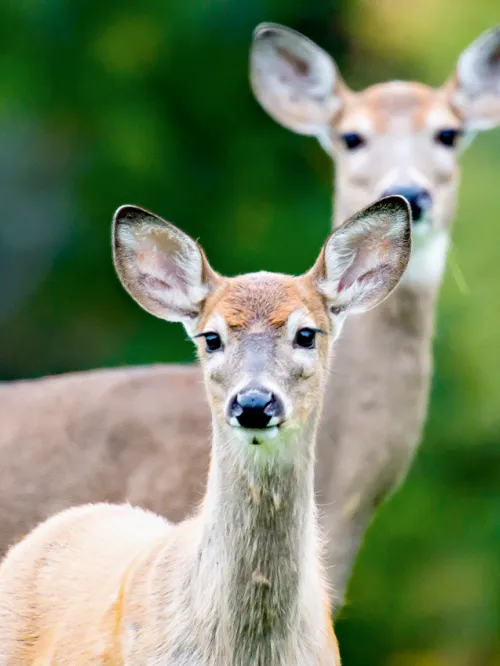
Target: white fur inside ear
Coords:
[(478, 67), (365, 260), (163, 271), (293, 79), (477, 93)]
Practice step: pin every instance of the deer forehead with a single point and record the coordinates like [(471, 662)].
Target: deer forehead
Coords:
[(406, 106), (260, 301)]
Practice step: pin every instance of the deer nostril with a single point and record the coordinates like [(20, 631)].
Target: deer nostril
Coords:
[(420, 200), (271, 407), (255, 408), (236, 408)]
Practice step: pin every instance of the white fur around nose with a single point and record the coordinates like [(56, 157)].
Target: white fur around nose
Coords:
[(428, 257)]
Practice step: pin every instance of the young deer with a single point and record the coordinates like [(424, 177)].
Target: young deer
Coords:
[(241, 582), (141, 434), (392, 138)]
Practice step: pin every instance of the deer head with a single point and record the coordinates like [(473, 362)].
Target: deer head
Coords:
[(263, 339), (392, 138)]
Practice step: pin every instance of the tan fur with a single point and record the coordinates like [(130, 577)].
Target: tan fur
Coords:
[(108, 435), (142, 434), (382, 103), (266, 300), (378, 392), (241, 582)]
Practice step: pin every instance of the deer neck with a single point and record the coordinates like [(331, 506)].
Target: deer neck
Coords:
[(258, 547), (375, 406), (387, 344)]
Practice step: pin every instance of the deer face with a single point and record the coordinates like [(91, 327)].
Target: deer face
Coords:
[(265, 352), (398, 138), (263, 339), (392, 138)]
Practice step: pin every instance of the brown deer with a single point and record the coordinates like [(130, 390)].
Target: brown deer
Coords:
[(395, 137), (141, 434), (241, 581)]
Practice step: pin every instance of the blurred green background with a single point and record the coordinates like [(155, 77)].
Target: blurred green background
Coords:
[(105, 103)]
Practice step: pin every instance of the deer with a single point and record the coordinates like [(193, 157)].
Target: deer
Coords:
[(240, 581), (141, 434), (391, 138)]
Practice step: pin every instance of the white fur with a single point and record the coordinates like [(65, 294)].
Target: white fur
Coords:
[(239, 584), (474, 67), (171, 285), (276, 82), (428, 258), (298, 319), (361, 248)]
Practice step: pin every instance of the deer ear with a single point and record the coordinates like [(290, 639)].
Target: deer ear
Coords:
[(160, 266), (364, 259), (294, 80), (475, 87)]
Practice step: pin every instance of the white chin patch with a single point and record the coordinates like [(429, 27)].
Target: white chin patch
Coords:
[(272, 445), (428, 255), (257, 437)]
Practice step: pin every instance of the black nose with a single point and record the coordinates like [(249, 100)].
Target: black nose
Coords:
[(255, 407), (420, 200)]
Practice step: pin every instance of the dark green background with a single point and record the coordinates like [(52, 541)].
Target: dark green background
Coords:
[(112, 102)]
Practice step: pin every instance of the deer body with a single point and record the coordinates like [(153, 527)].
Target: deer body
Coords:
[(151, 592), (142, 435), (352, 481), (392, 138), (363, 393), (138, 434), (241, 582)]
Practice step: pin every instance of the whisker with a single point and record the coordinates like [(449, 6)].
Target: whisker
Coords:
[(457, 273)]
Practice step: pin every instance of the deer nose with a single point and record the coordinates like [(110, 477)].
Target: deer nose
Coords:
[(256, 408), (420, 200)]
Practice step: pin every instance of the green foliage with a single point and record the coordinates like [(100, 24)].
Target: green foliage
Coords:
[(105, 103)]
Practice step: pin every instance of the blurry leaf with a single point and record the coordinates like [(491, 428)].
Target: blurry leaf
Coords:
[(130, 44)]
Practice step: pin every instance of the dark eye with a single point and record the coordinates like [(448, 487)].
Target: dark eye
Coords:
[(213, 341), (306, 337), (448, 137), (352, 140)]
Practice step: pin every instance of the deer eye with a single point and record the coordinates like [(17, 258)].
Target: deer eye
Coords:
[(352, 140), (448, 137), (213, 341), (306, 338)]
